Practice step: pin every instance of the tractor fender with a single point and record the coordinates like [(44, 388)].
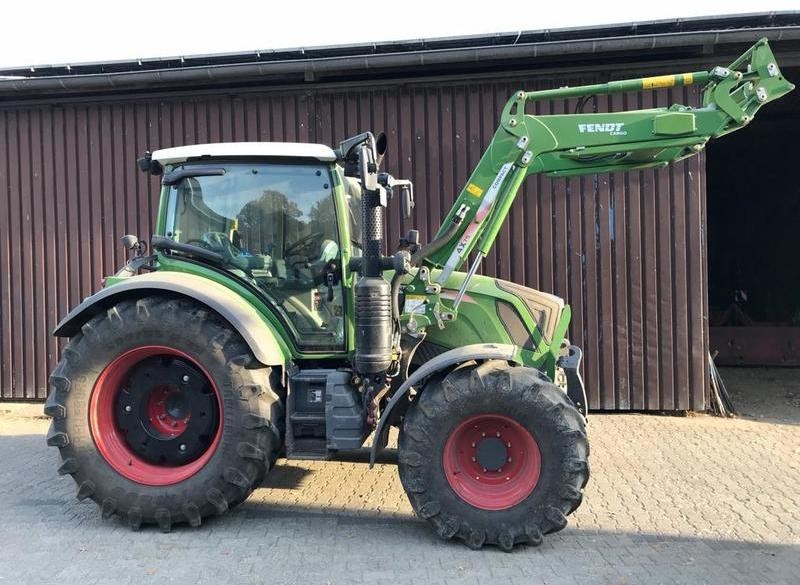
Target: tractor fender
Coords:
[(443, 361), (259, 335)]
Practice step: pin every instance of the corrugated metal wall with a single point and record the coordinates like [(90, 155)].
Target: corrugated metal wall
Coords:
[(626, 251)]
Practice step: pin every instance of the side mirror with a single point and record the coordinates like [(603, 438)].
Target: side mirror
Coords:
[(146, 164), (406, 189), (129, 241), (133, 244), (408, 200)]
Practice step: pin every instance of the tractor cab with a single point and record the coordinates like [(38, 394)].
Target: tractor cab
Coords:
[(267, 212)]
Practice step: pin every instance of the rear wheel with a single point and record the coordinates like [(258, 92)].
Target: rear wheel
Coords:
[(161, 413), (493, 454)]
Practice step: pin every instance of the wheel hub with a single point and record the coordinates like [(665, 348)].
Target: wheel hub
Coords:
[(166, 411), (492, 462), (491, 454), (166, 414), (176, 406)]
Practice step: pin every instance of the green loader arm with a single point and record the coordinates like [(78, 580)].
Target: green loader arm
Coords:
[(581, 144)]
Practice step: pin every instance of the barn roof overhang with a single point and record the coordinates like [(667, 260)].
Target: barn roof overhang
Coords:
[(666, 41)]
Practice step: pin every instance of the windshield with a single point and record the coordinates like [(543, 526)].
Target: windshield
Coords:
[(274, 225)]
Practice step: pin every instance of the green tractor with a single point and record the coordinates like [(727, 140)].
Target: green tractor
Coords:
[(267, 320)]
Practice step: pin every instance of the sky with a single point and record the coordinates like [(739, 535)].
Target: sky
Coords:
[(37, 32)]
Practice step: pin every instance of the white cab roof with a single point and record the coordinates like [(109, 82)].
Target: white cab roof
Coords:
[(234, 149)]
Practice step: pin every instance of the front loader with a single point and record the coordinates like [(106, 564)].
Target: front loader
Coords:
[(265, 318)]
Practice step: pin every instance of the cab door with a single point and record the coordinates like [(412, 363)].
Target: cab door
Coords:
[(276, 226)]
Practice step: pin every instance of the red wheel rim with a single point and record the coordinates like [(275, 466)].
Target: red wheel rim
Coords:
[(112, 443), (492, 462)]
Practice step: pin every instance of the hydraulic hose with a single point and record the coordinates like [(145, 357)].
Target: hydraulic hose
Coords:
[(437, 244), (396, 298)]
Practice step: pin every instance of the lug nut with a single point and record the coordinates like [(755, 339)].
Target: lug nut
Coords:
[(483, 434), (474, 460), (508, 478), (185, 379), (182, 447), (508, 444), (498, 434), (473, 445), (509, 460), (128, 408)]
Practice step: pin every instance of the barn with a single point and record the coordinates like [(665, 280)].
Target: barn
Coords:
[(661, 267)]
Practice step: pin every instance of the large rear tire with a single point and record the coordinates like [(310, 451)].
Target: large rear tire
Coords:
[(493, 454), (162, 414)]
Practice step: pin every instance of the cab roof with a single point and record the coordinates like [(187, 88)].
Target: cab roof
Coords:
[(180, 154)]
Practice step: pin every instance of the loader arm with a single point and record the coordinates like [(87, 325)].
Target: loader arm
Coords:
[(588, 143)]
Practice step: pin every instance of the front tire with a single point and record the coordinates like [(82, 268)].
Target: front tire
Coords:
[(161, 413), (493, 454)]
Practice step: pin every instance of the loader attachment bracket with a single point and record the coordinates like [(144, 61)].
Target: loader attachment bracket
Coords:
[(570, 363)]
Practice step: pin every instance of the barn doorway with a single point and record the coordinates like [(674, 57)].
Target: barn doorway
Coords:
[(753, 206)]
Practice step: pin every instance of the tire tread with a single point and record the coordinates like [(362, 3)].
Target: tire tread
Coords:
[(431, 409), (252, 455)]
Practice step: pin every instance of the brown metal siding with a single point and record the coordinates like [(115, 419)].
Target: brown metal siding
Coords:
[(625, 250)]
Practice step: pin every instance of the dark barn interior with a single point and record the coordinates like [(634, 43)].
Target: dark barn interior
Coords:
[(753, 239)]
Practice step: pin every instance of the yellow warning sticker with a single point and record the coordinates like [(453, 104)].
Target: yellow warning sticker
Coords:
[(413, 303), (473, 189), (659, 81)]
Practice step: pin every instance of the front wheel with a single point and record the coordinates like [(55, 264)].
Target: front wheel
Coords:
[(493, 454), (161, 413)]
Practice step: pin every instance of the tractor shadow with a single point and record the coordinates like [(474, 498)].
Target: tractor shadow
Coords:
[(291, 474), (286, 476)]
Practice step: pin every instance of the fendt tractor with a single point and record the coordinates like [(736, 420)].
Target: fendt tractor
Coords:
[(266, 319)]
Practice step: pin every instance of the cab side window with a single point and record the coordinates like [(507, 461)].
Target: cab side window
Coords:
[(275, 226)]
